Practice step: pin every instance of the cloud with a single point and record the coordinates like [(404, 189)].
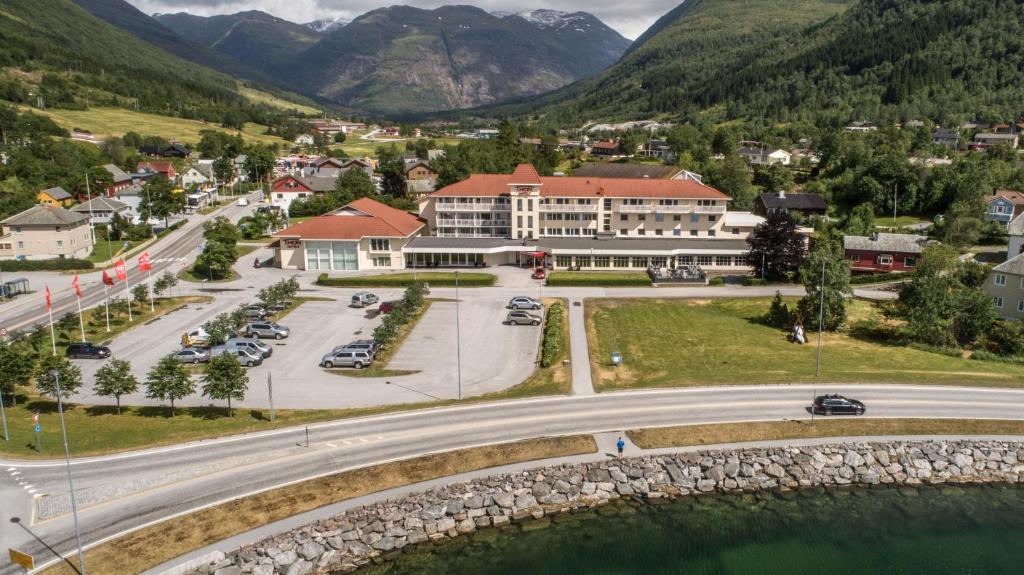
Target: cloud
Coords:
[(629, 18)]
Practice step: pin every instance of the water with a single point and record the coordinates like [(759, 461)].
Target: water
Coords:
[(933, 531)]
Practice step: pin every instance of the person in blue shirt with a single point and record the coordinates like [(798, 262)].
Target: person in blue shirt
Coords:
[(620, 445)]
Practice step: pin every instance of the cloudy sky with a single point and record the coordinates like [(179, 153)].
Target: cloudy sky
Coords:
[(629, 18)]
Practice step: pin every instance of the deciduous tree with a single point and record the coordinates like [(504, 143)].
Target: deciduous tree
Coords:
[(169, 381), (54, 369), (776, 247), (225, 379), (114, 379)]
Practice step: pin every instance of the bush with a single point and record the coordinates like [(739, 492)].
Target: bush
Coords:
[(719, 281), (878, 278), (1004, 337), (983, 355), (943, 350), (779, 314), (401, 314), (46, 265), (750, 281), (437, 279), (597, 279), (551, 350)]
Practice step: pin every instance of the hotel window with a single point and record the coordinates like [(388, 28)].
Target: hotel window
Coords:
[(685, 260), (601, 261), (735, 231), (563, 261), (711, 233), (60, 244), (641, 232), (641, 217), (703, 260), (659, 217), (21, 245), (677, 218), (693, 233), (723, 261), (677, 232), (659, 261), (621, 262), (380, 245), (623, 217), (712, 218), (639, 262), (583, 261), (1000, 280), (659, 232), (910, 262), (740, 261), (519, 203), (998, 300), (382, 262), (694, 218), (623, 232)]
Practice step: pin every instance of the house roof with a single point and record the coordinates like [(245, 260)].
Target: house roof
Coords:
[(946, 134), (44, 216), (1016, 226), (360, 219), (204, 169), (413, 165), (791, 201), (606, 145), (100, 204), (313, 183), (498, 185), (901, 243), (57, 193), (156, 166), (990, 136), (1013, 265), (117, 173), (625, 170), (1016, 198), (525, 174), (741, 219)]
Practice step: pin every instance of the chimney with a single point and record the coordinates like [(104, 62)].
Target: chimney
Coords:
[(874, 236), (782, 194)]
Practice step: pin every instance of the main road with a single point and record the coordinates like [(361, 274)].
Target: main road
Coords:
[(122, 492)]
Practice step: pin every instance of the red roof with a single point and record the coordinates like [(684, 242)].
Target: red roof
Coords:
[(606, 144), (359, 219), (524, 174), (161, 166), (574, 187), (1016, 198)]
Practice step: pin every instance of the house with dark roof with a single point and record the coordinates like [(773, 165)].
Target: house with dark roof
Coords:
[(362, 235), (790, 203), (879, 253), (100, 210), (1004, 205), (56, 196), (946, 137), (605, 148), (289, 188), (198, 174), (1005, 284), (45, 232), (328, 167), (170, 151)]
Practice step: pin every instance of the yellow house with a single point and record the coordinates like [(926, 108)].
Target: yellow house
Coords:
[(55, 197)]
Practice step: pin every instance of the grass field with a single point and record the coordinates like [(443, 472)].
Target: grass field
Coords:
[(103, 122), (710, 434), (150, 546), (103, 251), (690, 342), (356, 146), (269, 99), (901, 221)]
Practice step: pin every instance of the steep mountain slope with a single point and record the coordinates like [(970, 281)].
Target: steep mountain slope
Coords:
[(402, 59), (819, 61), (585, 30), (254, 38)]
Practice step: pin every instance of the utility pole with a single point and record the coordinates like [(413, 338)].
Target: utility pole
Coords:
[(895, 190), (3, 417), (67, 459), (458, 336), (270, 390), (821, 319)]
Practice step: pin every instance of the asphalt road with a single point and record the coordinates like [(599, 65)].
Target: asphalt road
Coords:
[(126, 491)]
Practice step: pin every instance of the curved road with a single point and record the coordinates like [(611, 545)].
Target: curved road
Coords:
[(122, 492)]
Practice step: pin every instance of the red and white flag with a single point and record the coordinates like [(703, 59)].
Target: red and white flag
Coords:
[(107, 279), (120, 271), (144, 265), (78, 290), (49, 303)]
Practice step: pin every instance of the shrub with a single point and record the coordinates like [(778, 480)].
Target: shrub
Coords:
[(551, 345), (779, 314), (983, 355), (878, 278), (944, 350), (751, 281), (46, 265), (716, 281), (406, 310), (437, 279), (597, 279)]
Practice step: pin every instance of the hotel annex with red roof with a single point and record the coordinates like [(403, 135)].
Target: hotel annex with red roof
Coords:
[(494, 219)]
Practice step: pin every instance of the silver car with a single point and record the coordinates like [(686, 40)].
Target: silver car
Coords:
[(367, 345), (363, 299), (347, 358), (192, 355), (256, 346), (261, 329), (523, 302), (522, 318)]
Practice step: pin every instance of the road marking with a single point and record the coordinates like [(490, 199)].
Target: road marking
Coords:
[(346, 442), (331, 444), (26, 487), (362, 440)]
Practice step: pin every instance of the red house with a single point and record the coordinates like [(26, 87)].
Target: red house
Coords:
[(605, 148), (287, 189), (120, 179), (162, 167), (879, 253)]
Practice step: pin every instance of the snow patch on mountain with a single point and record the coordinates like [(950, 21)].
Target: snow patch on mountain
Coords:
[(556, 19), (327, 24)]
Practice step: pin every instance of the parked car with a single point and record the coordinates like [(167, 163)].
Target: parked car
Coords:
[(261, 329), (367, 345), (197, 337), (836, 404), (86, 350), (254, 345), (363, 299), (255, 312), (387, 306), (192, 355), (243, 201), (522, 318), (281, 305), (246, 356), (523, 302), (539, 274), (346, 358)]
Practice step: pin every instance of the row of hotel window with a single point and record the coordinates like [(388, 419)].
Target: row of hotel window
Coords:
[(644, 261), (1000, 280), (503, 200), (998, 301), (21, 245)]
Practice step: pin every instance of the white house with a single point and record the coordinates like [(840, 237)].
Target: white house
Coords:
[(758, 156), (101, 210), (197, 175), (305, 140), (1015, 230)]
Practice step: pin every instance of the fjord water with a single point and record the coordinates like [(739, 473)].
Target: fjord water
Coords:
[(928, 530)]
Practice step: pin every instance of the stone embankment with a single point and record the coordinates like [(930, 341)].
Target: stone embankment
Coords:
[(371, 533)]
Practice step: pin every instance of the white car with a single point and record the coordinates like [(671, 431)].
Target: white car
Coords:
[(243, 201), (523, 302)]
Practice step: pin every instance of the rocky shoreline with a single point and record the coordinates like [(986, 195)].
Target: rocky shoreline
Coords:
[(372, 533)]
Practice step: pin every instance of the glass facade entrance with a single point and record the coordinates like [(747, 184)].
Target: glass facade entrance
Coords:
[(338, 256)]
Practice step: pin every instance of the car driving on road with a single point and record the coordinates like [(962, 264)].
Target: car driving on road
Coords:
[(86, 350), (522, 318), (523, 302), (835, 404)]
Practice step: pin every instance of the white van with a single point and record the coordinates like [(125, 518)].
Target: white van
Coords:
[(196, 338), (243, 201)]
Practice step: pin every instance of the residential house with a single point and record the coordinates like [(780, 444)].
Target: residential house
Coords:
[(419, 188), (328, 167), (634, 171), (364, 234), (1015, 232), (760, 156), (289, 188), (198, 175), (879, 252), (101, 210), (420, 170), (658, 149), (174, 150), (1005, 284), (45, 232), (792, 203), (1004, 206), (987, 139), (305, 140), (132, 198), (163, 168), (861, 127), (487, 133), (605, 148), (120, 180), (56, 196), (239, 166), (946, 137)]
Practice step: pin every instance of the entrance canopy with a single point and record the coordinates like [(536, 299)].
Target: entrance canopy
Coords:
[(535, 254)]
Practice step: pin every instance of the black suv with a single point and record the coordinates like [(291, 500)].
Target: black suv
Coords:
[(836, 404), (88, 350)]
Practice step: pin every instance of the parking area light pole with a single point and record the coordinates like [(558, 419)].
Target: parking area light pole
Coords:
[(3, 416), (17, 521), (821, 320), (67, 461), (458, 336)]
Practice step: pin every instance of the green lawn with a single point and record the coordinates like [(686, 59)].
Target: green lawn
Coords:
[(901, 221), (690, 342), (608, 278), (471, 279), (241, 250), (103, 251)]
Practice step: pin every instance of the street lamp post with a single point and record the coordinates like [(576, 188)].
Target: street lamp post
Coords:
[(821, 319), (67, 460), (17, 521), (458, 336), (3, 416)]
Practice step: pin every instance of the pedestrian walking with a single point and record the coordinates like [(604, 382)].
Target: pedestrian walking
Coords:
[(620, 445)]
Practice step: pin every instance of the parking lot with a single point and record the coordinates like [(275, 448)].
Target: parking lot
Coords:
[(494, 356)]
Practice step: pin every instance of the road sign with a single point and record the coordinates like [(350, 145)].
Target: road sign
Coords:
[(23, 559), (35, 417), (39, 428)]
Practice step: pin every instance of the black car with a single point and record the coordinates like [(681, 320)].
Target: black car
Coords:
[(86, 350), (836, 404)]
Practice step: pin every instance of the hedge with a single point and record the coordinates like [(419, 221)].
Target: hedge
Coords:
[(718, 281), (45, 265), (434, 279), (551, 346), (985, 355), (597, 279), (878, 278)]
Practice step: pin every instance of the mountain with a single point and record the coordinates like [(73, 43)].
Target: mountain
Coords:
[(816, 61), (253, 38), (580, 28), (400, 59), (327, 24)]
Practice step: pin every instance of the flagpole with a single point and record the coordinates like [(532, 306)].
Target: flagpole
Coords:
[(127, 297), (149, 272), (81, 322), (53, 336), (106, 305)]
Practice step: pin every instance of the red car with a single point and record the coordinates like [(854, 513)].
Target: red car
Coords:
[(539, 274), (386, 306)]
